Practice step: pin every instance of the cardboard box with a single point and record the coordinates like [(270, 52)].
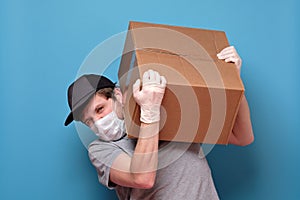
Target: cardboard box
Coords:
[(203, 93)]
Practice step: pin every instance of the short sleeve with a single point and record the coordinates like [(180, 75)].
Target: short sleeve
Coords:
[(102, 156)]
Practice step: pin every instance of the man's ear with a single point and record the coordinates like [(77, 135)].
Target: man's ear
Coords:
[(118, 95)]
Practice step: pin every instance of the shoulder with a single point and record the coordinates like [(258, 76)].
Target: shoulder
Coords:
[(102, 154), (101, 149), (98, 145)]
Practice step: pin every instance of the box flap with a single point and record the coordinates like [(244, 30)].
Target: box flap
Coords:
[(191, 52)]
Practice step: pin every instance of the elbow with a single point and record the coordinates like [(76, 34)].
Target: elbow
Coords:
[(248, 141), (147, 185), (144, 181)]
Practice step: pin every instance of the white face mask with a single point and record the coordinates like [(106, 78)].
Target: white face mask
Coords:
[(109, 128)]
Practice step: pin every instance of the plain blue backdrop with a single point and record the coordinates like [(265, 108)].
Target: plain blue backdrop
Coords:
[(43, 43)]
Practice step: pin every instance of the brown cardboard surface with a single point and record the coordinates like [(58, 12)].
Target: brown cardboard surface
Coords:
[(203, 93)]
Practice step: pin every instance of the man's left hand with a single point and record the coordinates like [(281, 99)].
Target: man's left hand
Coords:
[(231, 55)]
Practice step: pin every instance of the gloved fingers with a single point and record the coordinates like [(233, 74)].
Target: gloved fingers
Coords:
[(228, 52), (163, 81), (227, 55), (151, 76), (231, 59), (136, 88), (227, 49), (146, 77), (230, 55), (156, 77)]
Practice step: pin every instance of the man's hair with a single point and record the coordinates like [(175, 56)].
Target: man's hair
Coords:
[(106, 92)]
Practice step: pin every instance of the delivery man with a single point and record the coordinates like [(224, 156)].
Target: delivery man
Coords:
[(130, 166)]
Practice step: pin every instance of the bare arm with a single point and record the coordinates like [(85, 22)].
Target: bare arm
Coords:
[(138, 171), (242, 133)]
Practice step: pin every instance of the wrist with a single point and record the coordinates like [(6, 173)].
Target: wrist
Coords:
[(149, 130), (150, 114)]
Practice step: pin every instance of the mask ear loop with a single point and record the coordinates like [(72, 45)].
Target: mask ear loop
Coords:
[(115, 102)]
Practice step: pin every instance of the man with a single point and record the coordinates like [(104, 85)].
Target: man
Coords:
[(131, 166)]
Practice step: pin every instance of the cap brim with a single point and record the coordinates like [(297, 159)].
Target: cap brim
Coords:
[(69, 119)]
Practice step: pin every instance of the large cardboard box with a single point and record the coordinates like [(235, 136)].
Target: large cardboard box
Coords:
[(203, 93)]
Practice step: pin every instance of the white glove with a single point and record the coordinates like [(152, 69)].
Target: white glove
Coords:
[(151, 95), (230, 55)]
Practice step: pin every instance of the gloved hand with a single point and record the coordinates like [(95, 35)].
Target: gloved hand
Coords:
[(151, 95), (230, 55)]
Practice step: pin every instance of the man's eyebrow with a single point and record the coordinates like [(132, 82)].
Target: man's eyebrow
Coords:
[(99, 105)]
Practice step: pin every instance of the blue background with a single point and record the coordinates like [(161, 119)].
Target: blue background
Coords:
[(43, 43)]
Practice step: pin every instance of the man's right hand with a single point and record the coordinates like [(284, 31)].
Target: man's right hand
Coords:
[(151, 95)]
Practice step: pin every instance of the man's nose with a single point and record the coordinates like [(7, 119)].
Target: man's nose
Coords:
[(97, 117)]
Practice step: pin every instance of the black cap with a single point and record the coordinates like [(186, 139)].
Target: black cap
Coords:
[(81, 90)]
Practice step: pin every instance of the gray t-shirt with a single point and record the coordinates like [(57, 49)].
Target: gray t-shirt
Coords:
[(183, 172)]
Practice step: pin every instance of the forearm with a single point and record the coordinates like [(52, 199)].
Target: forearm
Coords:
[(139, 170), (242, 133), (144, 159)]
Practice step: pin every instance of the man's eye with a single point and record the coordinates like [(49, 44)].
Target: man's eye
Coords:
[(88, 122), (99, 110)]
